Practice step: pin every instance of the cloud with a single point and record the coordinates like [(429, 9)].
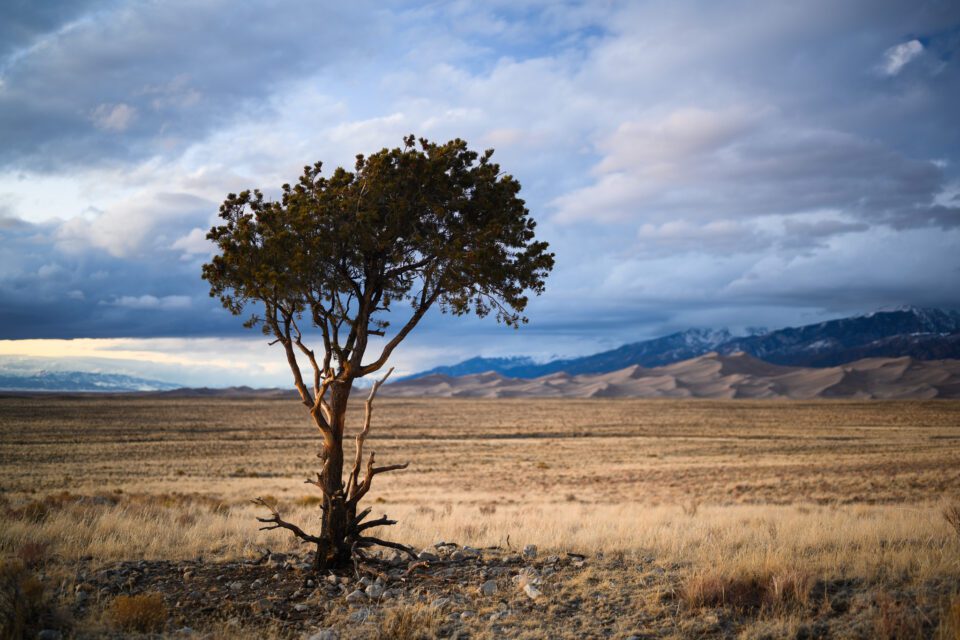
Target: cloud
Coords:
[(150, 302), (115, 117), (676, 155), (194, 243), (897, 57)]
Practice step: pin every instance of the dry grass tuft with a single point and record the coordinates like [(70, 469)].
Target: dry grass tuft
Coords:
[(409, 622), (773, 591), (24, 607), (896, 620), (951, 513), (950, 621), (144, 613)]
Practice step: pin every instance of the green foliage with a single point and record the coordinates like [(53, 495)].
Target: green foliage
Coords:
[(419, 224)]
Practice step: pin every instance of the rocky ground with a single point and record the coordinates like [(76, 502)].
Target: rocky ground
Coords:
[(463, 592)]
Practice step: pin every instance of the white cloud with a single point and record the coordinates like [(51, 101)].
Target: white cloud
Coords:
[(114, 117), (194, 243), (897, 57), (150, 302)]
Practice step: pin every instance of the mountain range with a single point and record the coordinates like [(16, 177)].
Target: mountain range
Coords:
[(79, 381), (712, 375), (922, 334)]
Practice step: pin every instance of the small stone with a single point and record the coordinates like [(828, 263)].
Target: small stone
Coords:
[(532, 592), (261, 606), (276, 576), (488, 588), (458, 555), (325, 634), (185, 631), (471, 552), (256, 583), (187, 574), (49, 634), (633, 637), (429, 556), (236, 586), (366, 581), (374, 591), (301, 607), (440, 603), (278, 557), (356, 596), (344, 580), (332, 579), (530, 551), (466, 615), (360, 615), (311, 584)]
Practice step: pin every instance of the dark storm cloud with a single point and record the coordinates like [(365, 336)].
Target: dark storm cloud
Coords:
[(50, 291), (134, 79)]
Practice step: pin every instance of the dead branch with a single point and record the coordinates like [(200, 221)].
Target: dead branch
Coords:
[(370, 540), (276, 522), (379, 522), (358, 461)]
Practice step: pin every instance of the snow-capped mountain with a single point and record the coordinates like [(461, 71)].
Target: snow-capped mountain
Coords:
[(77, 381), (924, 334)]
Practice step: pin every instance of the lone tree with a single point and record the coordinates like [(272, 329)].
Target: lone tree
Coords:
[(418, 226)]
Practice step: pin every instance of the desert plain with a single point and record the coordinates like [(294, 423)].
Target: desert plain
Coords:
[(540, 518)]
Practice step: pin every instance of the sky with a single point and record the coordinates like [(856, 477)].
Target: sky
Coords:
[(692, 163)]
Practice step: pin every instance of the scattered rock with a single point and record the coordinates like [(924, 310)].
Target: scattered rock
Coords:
[(374, 591), (356, 596), (301, 607), (428, 556), (325, 634), (440, 603), (360, 615), (49, 634), (532, 592), (261, 606), (466, 615), (530, 551), (332, 579), (488, 588), (236, 586)]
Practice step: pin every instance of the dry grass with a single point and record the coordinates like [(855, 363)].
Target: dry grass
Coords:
[(751, 504), (143, 613)]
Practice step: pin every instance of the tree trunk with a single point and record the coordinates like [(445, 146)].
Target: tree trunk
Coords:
[(343, 533), (333, 550)]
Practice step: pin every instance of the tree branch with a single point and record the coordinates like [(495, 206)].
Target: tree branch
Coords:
[(276, 522), (358, 461), (397, 339)]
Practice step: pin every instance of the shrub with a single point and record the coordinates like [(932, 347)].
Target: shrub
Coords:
[(144, 613), (895, 620), (951, 513), (409, 623), (24, 609), (774, 590)]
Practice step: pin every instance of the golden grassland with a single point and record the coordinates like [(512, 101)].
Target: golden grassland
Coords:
[(721, 493)]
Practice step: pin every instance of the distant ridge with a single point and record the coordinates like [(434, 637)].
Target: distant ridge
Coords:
[(714, 375), (78, 381), (922, 334)]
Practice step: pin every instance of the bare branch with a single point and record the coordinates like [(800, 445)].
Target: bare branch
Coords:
[(386, 543), (379, 522), (283, 334), (426, 302), (276, 522), (358, 461)]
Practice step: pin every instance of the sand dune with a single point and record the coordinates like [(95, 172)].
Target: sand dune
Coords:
[(710, 376)]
